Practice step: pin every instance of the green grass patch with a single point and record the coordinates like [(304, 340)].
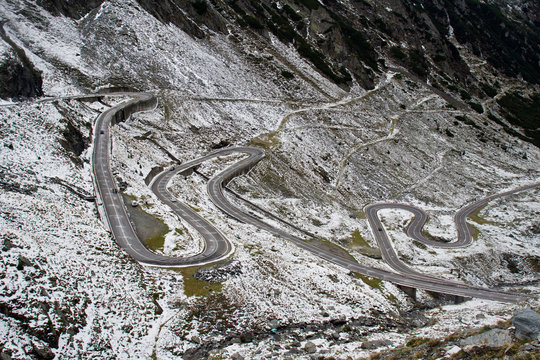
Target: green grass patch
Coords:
[(252, 250), (474, 232), (358, 239), (372, 282), (157, 240), (416, 341), (475, 216), (194, 286), (359, 214), (266, 141), (150, 229), (332, 248)]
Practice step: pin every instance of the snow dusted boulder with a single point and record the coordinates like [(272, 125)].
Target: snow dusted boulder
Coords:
[(493, 338), (310, 347), (527, 323)]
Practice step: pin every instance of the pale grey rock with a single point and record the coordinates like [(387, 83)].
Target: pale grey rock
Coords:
[(310, 347), (375, 344), (492, 338), (527, 324), (237, 356)]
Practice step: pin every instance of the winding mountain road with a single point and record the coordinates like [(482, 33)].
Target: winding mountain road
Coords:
[(217, 247), (111, 204), (414, 230), (405, 276)]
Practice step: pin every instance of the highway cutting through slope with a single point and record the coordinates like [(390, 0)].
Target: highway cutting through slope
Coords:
[(217, 247), (414, 230), (111, 205), (404, 277)]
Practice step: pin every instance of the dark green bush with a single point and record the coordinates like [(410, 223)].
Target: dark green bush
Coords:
[(317, 59), (287, 74), (465, 95), (200, 6), (417, 62), (292, 14), (525, 110), (310, 4), (397, 53), (489, 90), (253, 22), (476, 107)]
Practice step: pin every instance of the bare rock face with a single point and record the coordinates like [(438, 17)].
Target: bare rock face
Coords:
[(17, 80), (493, 338), (18, 77), (527, 324), (194, 14), (70, 8)]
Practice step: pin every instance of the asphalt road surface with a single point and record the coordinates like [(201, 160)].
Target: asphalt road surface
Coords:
[(114, 213), (414, 230), (405, 276), (217, 247)]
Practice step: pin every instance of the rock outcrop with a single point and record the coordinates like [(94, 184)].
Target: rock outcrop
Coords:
[(527, 324)]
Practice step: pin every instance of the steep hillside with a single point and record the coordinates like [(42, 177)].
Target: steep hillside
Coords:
[(433, 104)]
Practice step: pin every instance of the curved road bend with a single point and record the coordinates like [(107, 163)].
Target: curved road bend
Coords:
[(216, 248), (464, 237), (407, 278)]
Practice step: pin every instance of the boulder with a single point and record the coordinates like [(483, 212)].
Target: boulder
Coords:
[(527, 324), (196, 339), (273, 323), (237, 356), (42, 350), (375, 344), (310, 347), (493, 338)]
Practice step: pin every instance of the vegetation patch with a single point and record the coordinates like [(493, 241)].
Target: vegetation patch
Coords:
[(332, 248), (317, 59), (358, 239), (357, 42), (474, 231), (200, 6), (513, 50), (266, 141), (372, 282), (467, 121), (310, 4), (194, 286), (358, 214), (523, 112), (287, 74), (475, 216), (148, 228), (476, 107)]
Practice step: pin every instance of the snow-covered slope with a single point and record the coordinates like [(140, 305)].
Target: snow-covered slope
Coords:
[(67, 290)]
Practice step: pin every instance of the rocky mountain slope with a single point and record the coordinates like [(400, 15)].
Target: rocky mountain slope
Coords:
[(430, 103)]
